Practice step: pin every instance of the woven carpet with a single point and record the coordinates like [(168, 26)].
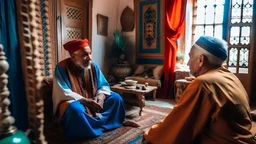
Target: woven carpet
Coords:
[(124, 134)]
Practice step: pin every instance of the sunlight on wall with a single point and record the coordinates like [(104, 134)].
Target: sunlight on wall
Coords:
[(188, 31), (100, 44)]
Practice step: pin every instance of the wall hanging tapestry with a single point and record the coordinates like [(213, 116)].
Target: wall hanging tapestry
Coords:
[(149, 31)]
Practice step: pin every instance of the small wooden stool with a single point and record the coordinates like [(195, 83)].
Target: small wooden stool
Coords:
[(179, 87)]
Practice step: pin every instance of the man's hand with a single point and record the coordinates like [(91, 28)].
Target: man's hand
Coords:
[(189, 78), (91, 104), (100, 99)]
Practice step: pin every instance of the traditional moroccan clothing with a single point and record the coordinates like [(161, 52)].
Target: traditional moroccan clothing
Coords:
[(69, 86), (213, 109), (74, 45)]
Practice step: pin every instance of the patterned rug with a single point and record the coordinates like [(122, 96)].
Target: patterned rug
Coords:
[(126, 134)]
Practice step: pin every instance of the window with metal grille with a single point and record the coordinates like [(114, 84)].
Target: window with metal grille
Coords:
[(235, 27), (239, 36), (208, 18)]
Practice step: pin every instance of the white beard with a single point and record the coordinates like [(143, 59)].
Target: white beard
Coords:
[(87, 67)]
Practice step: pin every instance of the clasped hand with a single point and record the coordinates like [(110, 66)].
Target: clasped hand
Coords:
[(95, 104)]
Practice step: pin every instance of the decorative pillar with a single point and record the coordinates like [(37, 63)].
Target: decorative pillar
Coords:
[(8, 133), (32, 35)]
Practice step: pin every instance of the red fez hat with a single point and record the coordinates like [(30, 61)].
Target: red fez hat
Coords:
[(75, 45)]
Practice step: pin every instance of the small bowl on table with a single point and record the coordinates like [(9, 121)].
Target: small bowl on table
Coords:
[(130, 82)]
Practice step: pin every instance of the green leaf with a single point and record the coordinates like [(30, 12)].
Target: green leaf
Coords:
[(119, 47)]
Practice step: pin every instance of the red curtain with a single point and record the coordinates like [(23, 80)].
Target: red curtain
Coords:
[(174, 26)]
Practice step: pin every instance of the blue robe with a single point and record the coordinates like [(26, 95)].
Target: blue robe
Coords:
[(75, 120)]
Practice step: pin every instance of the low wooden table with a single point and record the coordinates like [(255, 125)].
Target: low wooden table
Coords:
[(138, 92)]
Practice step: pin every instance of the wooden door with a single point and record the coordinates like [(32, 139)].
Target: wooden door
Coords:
[(73, 22)]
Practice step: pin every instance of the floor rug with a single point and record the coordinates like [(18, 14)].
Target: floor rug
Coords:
[(126, 134)]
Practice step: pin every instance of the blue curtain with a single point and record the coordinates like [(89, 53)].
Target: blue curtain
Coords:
[(9, 39)]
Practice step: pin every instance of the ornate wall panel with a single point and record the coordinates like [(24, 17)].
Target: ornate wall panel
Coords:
[(74, 13), (44, 8), (51, 32), (149, 31), (73, 33)]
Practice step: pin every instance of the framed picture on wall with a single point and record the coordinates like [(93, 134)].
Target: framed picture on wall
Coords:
[(102, 25)]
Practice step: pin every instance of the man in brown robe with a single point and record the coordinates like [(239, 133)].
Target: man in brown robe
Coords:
[(214, 109)]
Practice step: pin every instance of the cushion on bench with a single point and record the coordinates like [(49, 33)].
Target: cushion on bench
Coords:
[(150, 73)]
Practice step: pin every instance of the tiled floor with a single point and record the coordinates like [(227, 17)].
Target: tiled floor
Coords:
[(170, 103), (161, 102)]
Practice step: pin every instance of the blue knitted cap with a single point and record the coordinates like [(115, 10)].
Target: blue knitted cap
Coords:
[(214, 46)]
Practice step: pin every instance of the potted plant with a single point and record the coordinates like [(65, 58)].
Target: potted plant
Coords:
[(119, 48), (179, 57), (119, 55)]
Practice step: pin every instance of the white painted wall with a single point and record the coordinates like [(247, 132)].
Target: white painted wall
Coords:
[(100, 44), (107, 8), (123, 4)]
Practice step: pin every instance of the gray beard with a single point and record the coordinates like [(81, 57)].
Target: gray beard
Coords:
[(84, 67), (87, 67)]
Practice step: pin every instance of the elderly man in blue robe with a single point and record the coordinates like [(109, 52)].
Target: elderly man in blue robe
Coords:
[(82, 100)]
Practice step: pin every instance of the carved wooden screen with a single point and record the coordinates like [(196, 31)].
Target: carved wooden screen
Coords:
[(36, 58), (73, 17)]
